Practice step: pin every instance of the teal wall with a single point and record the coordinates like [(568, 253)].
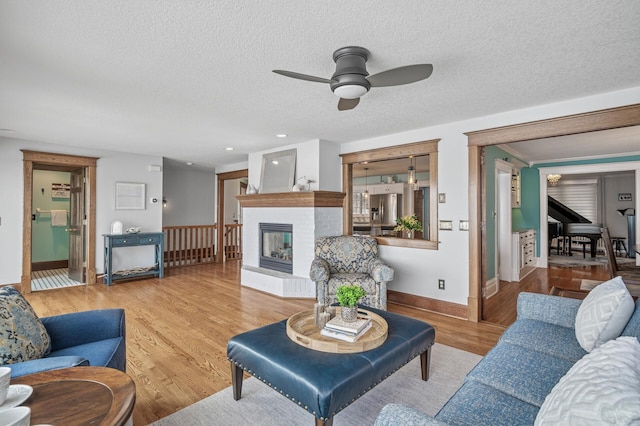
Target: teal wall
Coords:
[(48, 242)]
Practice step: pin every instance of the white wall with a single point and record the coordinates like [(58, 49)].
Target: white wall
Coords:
[(418, 271), (231, 204), (190, 196), (317, 160), (112, 167), (118, 167), (614, 185)]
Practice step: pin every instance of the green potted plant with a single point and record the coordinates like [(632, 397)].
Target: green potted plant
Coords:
[(348, 297), (409, 224)]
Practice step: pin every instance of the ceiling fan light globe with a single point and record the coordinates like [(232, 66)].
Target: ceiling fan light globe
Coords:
[(350, 91)]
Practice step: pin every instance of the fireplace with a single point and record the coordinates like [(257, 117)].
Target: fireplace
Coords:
[(276, 247)]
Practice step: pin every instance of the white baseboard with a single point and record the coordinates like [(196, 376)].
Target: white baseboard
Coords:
[(493, 285)]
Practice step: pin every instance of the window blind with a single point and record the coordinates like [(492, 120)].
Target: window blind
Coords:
[(580, 196)]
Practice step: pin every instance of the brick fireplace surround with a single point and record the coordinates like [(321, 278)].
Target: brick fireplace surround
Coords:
[(312, 214)]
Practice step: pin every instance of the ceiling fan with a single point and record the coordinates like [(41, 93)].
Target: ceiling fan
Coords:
[(351, 79)]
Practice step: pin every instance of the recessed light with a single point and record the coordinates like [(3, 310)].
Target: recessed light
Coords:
[(189, 163), (281, 135), (229, 148)]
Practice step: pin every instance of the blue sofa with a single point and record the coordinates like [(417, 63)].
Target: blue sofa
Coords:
[(511, 382), (95, 338)]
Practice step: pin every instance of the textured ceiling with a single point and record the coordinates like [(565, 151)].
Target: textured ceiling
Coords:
[(183, 79)]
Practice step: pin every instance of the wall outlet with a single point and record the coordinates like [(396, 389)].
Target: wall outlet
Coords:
[(440, 284)]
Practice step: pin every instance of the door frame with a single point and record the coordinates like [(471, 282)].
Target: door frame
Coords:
[(60, 162), (502, 208), (605, 119), (222, 177)]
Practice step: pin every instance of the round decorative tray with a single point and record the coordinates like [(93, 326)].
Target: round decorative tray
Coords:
[(302, 329)]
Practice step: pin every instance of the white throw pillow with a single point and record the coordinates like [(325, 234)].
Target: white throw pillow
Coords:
[(603, 314), (601, 388)]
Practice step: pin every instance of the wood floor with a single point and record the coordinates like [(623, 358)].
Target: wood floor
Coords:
[(178, 328), (501, 308)]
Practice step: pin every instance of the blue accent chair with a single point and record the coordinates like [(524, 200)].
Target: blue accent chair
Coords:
[(95, 338)]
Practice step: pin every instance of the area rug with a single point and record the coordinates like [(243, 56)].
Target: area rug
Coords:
[(262, 405), (577, 261), (634, 289)]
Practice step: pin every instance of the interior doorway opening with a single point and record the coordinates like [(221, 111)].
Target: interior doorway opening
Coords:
[(569, 125), (79, 223)]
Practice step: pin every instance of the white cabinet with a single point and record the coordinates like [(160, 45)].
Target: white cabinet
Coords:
[(387, 188), (524, 253)]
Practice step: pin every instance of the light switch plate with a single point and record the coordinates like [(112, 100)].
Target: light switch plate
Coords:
[(446, 225)]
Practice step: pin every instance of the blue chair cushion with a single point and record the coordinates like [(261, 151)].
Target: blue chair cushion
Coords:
[(107, 353), (23, 337)]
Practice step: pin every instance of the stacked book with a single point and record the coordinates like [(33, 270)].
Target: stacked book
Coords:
[(347, 331)]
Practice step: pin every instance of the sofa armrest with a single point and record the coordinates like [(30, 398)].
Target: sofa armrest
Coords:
[(398, 414), (319, 270), (556, 310), (380, 271), (78, 328), (45, 364)]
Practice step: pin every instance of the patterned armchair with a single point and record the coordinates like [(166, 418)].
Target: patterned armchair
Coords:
[(350, 260)]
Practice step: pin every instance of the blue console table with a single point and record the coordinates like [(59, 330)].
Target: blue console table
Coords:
[(112, 241)]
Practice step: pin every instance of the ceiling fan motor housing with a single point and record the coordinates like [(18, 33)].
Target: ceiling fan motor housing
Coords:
[(351, 70)]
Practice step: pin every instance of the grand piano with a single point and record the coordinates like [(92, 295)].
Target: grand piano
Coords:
[(571, 224)]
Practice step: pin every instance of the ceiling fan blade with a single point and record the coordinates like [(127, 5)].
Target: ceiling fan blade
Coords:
[(302, 76), (402, 75), (346, 104)]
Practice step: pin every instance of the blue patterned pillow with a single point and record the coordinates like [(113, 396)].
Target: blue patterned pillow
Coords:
[(22, 335)]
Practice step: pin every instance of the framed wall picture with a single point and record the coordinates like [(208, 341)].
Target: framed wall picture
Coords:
[(60, 190), (624, 196), (130, 196)]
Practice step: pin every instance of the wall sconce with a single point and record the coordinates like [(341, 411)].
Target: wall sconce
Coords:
[(553, 179), (623, 212), (164, 202)]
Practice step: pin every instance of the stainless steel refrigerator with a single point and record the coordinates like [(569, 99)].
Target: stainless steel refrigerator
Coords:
[(385, 209)]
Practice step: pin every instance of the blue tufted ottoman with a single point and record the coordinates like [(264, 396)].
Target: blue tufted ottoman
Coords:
[(325, 383)]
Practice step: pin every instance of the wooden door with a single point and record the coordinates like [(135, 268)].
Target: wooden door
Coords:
[(77, 270)]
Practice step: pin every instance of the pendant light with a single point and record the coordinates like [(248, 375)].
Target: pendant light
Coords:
[(411, 172), (366, 176)]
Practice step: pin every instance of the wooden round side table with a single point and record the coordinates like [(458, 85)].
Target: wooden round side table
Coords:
[(80, 396)]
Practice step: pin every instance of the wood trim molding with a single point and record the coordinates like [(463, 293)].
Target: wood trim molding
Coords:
[(605, 119), (52, 161), (428, 304), (50, 158), (392, 152), (560, 126), (50, 264), (221, 178), (293, 199)]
